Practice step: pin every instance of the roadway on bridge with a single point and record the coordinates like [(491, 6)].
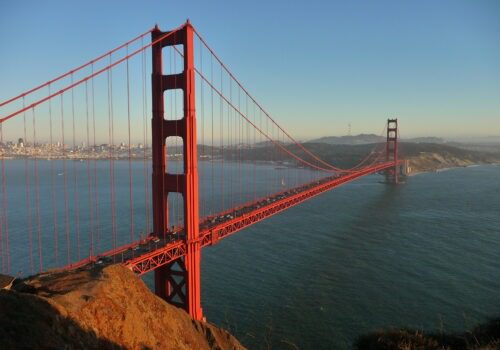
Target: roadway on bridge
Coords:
[(147, 254)]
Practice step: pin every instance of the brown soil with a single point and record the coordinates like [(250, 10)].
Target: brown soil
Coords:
[(98, 308), (435, 161)]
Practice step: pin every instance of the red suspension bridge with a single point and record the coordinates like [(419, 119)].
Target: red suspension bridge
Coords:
[(85, 179)]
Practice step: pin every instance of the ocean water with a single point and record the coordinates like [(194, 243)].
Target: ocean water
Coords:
[(365, 256), (425, 254)]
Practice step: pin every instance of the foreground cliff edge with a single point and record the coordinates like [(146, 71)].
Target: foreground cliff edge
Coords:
[(98, 308)]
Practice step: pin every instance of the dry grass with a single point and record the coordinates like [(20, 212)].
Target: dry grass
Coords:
[(484, 337), (99, 308)]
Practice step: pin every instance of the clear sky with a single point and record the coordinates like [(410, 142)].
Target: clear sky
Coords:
[(315, 65)]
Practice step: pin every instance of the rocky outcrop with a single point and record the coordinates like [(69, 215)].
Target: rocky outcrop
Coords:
[(434, 161), (98, 308)]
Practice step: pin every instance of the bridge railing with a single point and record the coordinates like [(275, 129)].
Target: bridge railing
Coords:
[(76, 167)]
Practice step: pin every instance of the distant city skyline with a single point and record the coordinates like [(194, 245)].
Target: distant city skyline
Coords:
[(433, 65)]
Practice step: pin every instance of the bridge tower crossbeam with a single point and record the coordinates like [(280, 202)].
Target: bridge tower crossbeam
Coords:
[(391, 150), (179, 281)]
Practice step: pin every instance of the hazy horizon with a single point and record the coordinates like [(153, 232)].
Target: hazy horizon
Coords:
[(433, 65)]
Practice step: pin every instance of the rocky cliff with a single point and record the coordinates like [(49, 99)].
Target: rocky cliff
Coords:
[(98, 308), (431, 157)]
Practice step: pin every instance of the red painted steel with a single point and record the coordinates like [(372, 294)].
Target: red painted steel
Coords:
[(83, 80), (175, 255), (211, 235), (177, 282), (67, 74), (391, 151)]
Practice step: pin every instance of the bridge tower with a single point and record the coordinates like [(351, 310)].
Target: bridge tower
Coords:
[(391, 150), (178, 282)]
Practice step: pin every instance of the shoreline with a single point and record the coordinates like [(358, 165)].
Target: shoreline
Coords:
[(438, 170)]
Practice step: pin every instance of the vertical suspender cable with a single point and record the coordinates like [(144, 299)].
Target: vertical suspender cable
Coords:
[(145, 143), (131, 196), (65, 189), (177, 214), (212, 130), (4, 208), (52, 187), (28, 190), (202, 117), (238, 118), (222, 140), (2, 259), (230, 144), (254, 154), (89, 176), (95, 182), (111, 155), (75, 176), (37, 197)]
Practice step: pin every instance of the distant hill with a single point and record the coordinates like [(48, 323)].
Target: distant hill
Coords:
[(432, 156), (422, 156), (480, 147), (495, 140), (363, 139), (428, 139), (360, 139)]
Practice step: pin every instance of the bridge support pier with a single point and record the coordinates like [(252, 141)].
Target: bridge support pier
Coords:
[(391, 151), (177, 282)]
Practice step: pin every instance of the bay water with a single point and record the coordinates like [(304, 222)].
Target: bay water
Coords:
[(424, 254)]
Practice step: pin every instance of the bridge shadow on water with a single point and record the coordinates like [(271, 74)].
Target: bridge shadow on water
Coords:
[(322, 277)]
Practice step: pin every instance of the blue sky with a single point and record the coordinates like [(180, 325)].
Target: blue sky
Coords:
[(315, 65)]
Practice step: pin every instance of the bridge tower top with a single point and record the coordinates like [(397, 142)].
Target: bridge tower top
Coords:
[(178, 282), (392, 149)]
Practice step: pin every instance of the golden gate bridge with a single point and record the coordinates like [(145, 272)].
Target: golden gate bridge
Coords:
[(207, 162)]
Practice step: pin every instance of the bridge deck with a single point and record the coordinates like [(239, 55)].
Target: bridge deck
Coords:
[(146, 255)]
